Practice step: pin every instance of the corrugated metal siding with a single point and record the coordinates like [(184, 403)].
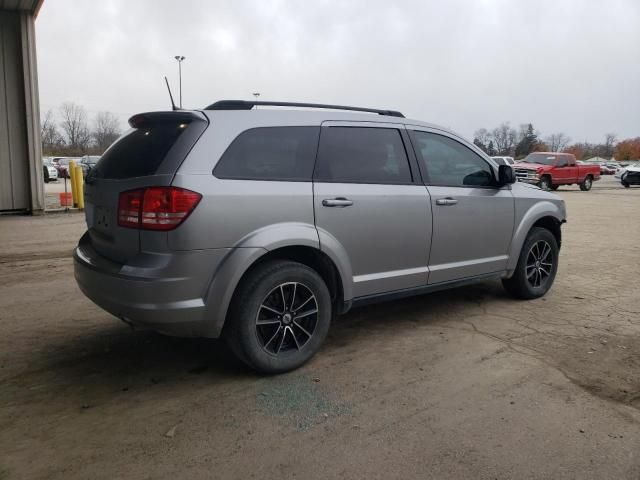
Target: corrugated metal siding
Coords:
[(14, 161)]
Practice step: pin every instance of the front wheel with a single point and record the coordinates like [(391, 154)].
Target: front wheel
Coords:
[(279, 317), (586, 184), (537, 266), (545, 183)]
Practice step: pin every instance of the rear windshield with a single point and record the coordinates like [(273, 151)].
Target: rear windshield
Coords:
[(140, 152)]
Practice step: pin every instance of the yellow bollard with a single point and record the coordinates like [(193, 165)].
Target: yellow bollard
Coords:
[(72, 177), (80, 184)]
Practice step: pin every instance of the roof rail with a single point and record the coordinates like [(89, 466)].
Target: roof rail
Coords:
[(248, 105)]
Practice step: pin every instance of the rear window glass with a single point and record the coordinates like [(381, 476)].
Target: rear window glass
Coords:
[(362, 155), (270, 153), (140, 152)]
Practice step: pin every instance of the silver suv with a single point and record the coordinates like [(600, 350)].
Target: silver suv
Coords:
[(261, 225)]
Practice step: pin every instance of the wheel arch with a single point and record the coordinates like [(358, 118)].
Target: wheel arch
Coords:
[(296, 242), (544, 214)]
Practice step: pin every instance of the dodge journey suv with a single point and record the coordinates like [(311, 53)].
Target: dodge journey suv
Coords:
[(261, 225)]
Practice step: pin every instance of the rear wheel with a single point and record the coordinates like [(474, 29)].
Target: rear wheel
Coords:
[(279, 317), (537, 266), (586, 184), (545, 183)]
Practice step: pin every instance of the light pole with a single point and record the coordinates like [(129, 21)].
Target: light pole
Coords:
[(256, 95), (180, 58)]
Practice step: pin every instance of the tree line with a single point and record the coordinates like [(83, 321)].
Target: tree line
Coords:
[(505, 140), (69, 132)]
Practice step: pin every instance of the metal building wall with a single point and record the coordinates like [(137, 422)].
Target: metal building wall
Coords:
[(21, 185)]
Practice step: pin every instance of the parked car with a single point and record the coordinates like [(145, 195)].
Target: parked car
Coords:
[(63, 166), (50, 174), (607, 169), (504, 160), (549, 170), (623, 168), (87, 162), (262, 226), (631, 176)]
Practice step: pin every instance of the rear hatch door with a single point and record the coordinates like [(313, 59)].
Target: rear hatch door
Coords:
[(149, 154)]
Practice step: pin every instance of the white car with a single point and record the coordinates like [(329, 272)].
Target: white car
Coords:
[(621, 171), (50, 173), (504, 160)]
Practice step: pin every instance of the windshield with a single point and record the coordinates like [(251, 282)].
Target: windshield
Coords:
[(499, 160), (541, 158)]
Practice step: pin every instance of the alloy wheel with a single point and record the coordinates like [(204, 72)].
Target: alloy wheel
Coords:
[(287, 318), (539, 263)]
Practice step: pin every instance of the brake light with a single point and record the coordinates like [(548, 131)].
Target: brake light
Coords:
[(156, 208)]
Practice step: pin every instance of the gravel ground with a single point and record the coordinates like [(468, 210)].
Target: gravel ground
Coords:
[(466, 383)]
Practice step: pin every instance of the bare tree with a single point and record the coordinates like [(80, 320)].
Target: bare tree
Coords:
[(557, 142), (609, 144), (49, 134), (504, 138), (482, 135), (75, 126), (106, 130)]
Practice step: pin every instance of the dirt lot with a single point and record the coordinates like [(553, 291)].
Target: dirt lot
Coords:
[(461, 384)]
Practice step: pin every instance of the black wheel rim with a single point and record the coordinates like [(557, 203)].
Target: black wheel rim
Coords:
[(539, 264), (287, 318)]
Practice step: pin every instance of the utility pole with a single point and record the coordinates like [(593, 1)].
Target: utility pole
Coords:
[(180, 58)]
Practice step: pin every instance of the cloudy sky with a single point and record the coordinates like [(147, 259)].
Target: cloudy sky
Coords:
[(566, 66)]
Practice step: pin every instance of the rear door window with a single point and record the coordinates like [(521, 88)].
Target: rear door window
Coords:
[(140, 152), (270, 153), (362, 155)]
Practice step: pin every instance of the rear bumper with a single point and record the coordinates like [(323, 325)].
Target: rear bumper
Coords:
[(164, 292)]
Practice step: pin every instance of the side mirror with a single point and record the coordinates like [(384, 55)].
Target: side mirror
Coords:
[(506, 175)]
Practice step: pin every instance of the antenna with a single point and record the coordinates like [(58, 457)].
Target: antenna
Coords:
[(173, 105)]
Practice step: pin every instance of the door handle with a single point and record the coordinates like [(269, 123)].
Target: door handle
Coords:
[(340, 202), (446, 201)]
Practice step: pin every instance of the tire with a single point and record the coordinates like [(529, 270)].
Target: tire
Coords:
[(540, 278), (554, 187), (45, 173), (263, 329), (625, 185), (587, 183), (545, 183)]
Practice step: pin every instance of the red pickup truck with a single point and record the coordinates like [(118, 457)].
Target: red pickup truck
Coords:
[(549, 170)]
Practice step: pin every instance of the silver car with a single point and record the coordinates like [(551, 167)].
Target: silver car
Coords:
[(261, 225)]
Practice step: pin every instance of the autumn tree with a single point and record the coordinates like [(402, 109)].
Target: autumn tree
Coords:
[(75, 126), (105, 130), (575, 149), (628, 149)]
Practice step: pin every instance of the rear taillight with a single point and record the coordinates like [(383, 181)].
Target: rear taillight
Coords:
[(156, 208)]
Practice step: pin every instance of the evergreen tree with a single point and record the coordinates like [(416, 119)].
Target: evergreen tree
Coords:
[(491, 150), (528, 142), (480, 145)]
